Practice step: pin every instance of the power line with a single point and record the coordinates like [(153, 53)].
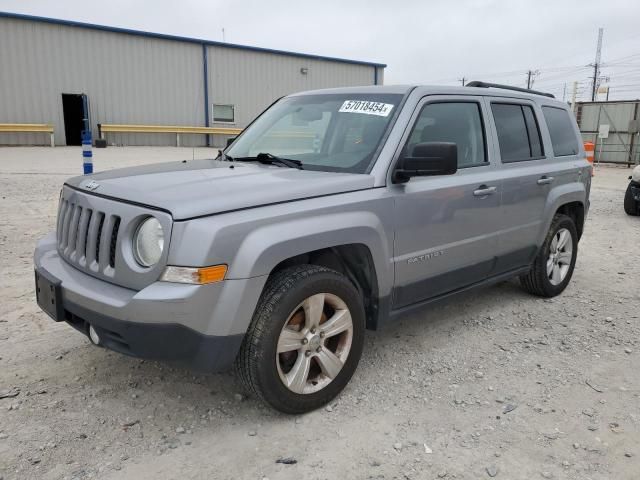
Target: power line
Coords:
[(625, 69), (543, 75), (511, 73), (621, 65), (625, 58), (558, 76)]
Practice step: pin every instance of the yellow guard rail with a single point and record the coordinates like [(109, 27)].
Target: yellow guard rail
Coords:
[(177, 129), (28, 128)]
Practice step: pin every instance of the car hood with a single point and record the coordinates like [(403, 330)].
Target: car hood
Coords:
[(196, 188)]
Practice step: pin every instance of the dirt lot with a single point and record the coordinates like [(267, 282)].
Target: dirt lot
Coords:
[(495, 383)]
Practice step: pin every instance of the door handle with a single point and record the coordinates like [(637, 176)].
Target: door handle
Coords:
[(544, 180), (483, 191)]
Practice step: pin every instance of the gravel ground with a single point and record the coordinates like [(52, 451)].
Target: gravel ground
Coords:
[(495, 383)]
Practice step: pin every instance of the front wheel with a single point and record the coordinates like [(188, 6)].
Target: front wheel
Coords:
[(305, 339), (553, 267)]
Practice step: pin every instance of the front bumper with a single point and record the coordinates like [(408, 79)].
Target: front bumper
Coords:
[(201, 326), (167, 342)]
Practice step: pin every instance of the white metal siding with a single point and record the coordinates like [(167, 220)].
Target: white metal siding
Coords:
[(128, 79), (142, 80), (616, 115), (253, 80)]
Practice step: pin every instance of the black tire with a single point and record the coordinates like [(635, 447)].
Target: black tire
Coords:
[(256, 362), (537, 281), (631, 206)]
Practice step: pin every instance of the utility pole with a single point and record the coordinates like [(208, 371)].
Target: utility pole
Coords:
[(573, 96), (564, 92), (531, 74), (463, 80), (596, 66), (223, 37)]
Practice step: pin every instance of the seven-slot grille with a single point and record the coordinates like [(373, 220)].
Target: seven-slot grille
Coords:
[(94, 236), (88, 237)]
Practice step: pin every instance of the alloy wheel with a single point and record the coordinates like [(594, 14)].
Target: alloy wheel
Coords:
[(314, 343), (560, 256)]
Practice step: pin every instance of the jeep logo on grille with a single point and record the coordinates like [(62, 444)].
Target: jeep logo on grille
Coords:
[(92, 185)]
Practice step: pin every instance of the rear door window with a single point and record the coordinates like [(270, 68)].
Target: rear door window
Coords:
[(518, 132), (563, 136)]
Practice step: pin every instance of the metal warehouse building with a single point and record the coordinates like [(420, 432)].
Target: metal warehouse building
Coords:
[(139, 78)]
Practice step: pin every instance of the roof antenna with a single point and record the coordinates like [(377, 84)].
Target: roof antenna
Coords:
[(223, 35)]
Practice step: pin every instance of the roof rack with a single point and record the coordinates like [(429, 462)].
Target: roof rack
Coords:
[(476, 83)]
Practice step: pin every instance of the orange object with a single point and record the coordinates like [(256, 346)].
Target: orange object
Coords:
[(212, 274), (590, 150)]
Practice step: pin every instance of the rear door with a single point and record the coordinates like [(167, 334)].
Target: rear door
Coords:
[(446, 226), (565, 149), (526, 175)]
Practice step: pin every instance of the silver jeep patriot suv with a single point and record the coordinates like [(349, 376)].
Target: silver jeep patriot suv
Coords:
[(333, 212)]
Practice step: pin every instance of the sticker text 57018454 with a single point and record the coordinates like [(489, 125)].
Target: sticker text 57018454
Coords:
[(368, 108)]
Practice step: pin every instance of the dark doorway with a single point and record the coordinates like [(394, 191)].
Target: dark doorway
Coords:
[(73, 110)]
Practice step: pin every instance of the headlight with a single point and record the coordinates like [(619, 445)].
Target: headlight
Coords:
[(148, 242)]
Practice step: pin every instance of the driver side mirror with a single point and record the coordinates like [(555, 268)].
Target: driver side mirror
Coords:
[(427, 159)]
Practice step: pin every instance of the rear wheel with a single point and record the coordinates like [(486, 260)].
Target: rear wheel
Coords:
[(553, 267), (631, 205), (305, 339)]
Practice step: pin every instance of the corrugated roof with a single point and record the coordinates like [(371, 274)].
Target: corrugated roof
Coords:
[(200, 41)]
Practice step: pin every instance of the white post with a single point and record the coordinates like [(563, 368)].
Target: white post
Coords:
[(52, 141), (600, 152), (177, 139)]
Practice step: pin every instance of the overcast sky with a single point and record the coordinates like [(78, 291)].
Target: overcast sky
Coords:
[(429, 41)]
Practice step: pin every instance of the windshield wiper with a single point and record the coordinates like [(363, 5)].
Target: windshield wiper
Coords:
[(272, 160)]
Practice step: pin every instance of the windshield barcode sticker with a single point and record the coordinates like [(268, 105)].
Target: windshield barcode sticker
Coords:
[(368, 108)]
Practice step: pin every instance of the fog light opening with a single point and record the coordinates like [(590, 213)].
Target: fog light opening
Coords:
[(93, 335)]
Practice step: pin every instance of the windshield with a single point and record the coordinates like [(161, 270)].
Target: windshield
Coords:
[(331, 132)]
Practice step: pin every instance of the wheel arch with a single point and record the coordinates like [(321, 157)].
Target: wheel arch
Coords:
[(355, 261), (568, 199), (575, 210), (354, 243)]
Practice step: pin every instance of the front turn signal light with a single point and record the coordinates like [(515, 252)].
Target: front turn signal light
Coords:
[(194, 275)]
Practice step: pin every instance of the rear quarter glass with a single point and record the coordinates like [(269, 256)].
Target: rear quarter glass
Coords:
[(563, 135)]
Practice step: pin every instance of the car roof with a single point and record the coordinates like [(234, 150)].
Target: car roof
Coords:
[(402, 89), (423, 90)]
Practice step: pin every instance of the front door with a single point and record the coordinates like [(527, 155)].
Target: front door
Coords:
[(447, 226)]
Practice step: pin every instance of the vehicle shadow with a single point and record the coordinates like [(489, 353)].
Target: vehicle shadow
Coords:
[(153, 388)]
